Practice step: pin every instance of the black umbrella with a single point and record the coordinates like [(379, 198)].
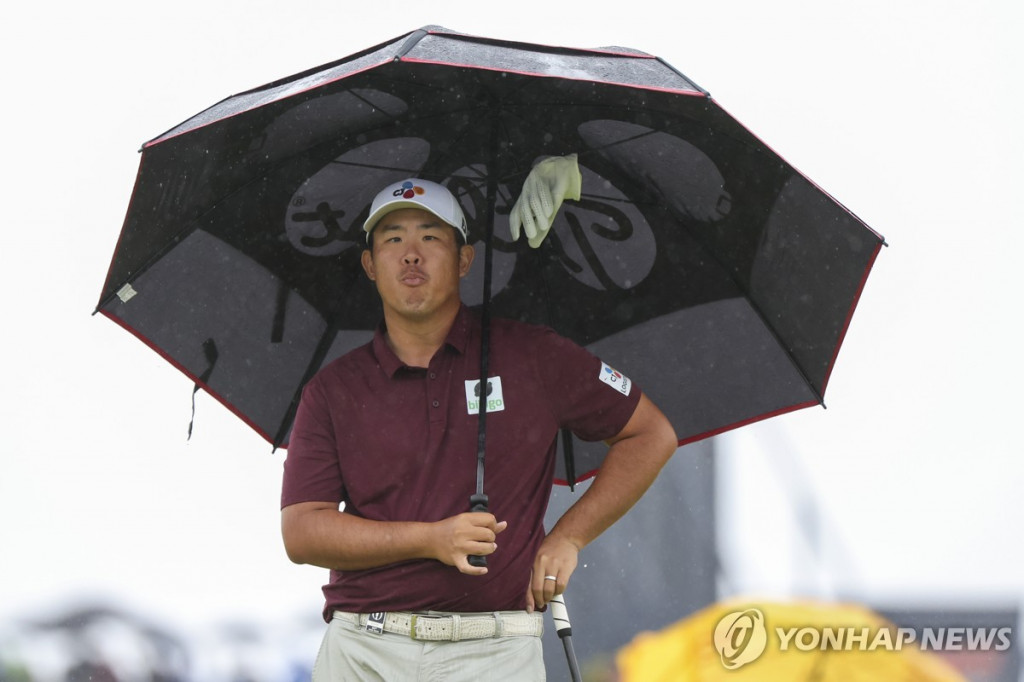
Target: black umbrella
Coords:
[(697, 258)]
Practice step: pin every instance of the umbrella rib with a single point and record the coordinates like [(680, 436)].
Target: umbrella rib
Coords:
[(488, 107), (786, 349), (372, 166), (372, 105), (315, 362)]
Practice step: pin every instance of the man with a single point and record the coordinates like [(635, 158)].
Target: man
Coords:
[(390, 431)]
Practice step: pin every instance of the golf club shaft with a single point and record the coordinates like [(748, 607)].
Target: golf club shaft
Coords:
[(560, 615), (570, 656)]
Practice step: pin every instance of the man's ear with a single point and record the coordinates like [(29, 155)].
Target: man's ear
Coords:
[(466, 255), (367, 260)]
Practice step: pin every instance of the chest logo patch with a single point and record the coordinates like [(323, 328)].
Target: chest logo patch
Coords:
[(617, 380), (492, 394)]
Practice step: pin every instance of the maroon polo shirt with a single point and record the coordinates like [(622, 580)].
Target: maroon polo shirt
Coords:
[(398, 443)]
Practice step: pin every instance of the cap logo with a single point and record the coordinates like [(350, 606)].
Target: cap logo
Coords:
[(417, 193), (408, 190)]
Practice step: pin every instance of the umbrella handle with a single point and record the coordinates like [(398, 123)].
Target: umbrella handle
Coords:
[(478, 503)]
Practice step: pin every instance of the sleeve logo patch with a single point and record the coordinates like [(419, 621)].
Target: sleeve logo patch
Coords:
[(617, 380)]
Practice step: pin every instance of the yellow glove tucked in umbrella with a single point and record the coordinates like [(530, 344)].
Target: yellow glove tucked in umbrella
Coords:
[(549, 183)]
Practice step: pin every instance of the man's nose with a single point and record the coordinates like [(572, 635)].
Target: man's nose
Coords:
[(411, 256)]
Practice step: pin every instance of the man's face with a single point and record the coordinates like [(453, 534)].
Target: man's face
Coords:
[(416, 263)]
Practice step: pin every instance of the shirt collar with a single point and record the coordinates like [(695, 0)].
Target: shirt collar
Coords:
[(457, 339)]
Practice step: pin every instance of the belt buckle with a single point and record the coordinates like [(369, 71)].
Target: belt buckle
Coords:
[(416, 618)]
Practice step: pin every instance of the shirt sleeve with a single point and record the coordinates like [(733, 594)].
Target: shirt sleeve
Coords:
[(311, 470), (589, 397)]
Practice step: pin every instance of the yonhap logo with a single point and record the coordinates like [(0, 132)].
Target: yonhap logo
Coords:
[(741, 637)]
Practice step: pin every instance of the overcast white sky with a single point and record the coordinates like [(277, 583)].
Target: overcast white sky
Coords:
[(908, 112)]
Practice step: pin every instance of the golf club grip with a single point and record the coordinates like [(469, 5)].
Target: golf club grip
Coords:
[(560, 615)]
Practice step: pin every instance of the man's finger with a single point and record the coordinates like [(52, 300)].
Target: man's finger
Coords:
[(482, 519), (530, 603), (549, 586), (481, 548), (541, 589), (465, 567)]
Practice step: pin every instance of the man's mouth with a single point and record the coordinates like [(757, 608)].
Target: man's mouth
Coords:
[(413, 277)]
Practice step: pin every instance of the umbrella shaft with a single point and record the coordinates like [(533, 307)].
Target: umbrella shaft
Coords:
[(478, 502), (485, 352), (485, 310)]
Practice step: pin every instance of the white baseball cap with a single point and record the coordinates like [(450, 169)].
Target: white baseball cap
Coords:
[(417, 193)]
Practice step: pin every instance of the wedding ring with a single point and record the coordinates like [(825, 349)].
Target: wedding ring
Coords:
[(550, 577)]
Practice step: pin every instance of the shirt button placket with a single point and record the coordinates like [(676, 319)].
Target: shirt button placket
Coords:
[(434, 391)]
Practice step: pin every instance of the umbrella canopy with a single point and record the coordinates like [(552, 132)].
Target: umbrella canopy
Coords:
[(697, 259), (692, 649)]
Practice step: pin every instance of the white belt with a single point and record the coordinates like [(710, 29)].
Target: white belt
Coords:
[(454, 627)]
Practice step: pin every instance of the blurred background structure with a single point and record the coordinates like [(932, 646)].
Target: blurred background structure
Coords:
[(657, 564)]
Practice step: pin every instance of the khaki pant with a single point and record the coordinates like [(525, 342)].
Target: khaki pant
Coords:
[(351, 654)]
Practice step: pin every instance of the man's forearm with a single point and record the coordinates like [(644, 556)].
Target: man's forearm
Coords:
[(326, 537), (636, 455), (618, 485), (317, 533), (629, 468)]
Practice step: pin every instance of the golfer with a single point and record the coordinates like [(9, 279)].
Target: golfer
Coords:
[(382, 458)]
